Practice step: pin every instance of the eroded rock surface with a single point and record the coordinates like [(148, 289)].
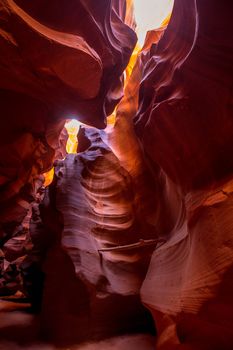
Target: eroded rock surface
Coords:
[(170, 180), (184, 122), (65, 61), (90, 206)]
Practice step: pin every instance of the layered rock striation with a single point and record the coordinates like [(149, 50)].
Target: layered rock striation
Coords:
[(88, 230), (144, 210)]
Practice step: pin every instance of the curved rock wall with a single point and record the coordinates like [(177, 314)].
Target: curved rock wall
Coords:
[(55, 63), (88, 230), (171, 181), (184, 122), (184, 118)]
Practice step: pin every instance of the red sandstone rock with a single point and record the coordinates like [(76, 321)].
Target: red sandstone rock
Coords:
[(90, 206), (188, 286), (71, 56), (175, 182), (185, 101), (54, 64), (184, 122)]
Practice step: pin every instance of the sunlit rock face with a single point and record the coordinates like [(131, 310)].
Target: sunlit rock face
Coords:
[(56, 60), (89, 207), (171, 180)]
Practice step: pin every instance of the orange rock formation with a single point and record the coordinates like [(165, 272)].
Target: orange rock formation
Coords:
[(134, 232)]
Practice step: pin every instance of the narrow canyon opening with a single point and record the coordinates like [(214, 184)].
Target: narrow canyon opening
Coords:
[(116, 175)]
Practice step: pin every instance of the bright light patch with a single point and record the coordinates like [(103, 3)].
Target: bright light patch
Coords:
[(72, 127), (150, 14), (48, 177)]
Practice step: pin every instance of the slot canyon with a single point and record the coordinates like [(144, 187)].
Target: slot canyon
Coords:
[(116, 175)]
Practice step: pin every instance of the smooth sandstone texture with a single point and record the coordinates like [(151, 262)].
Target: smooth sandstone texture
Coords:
[(56, 61), (184, 120), (70, 58), (188, 286), (89, 293), (172, 179)]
